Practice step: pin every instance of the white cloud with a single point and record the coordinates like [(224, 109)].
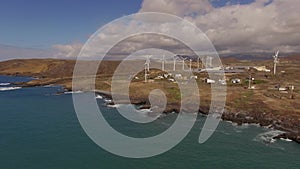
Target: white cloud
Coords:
[(261, 26), (68, 50), (252, 27), (144, 31), (177, 7)]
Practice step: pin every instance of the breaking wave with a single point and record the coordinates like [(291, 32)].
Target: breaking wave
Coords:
[(99, 97), (4, 84), (9, 88), (268, 137), (74, 92)]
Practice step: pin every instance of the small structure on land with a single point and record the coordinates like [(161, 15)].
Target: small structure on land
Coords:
[(210, 81), (282, 88), (236, 81), (262, 68)]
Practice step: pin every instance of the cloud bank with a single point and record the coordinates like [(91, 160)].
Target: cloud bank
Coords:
[(261, 26), (66, 50)]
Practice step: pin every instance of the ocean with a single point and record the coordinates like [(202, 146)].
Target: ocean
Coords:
[(39, 129)]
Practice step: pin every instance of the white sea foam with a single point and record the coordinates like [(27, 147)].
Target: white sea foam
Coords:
[(268, 137), (9, 88), (286, 139), (99, 97), (4, 84), (108, 100), (144, 111), (48, 86), (74, 92), (114, 105)]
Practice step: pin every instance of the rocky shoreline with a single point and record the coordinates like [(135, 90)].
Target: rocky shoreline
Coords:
[(290, 129)]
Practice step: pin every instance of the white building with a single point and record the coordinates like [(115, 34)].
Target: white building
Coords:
[(236, 81), (282, 89), (210, 81)]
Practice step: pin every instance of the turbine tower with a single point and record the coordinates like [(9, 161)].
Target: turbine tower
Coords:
[(208, 62), (163, 63), (174, 64), (198, 63), (183, 59), (203, 62), (145, 71), (148, 62), (249, 82), (147, 66), (275, 61)]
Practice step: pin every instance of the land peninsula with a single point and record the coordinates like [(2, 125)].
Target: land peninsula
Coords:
[(268, 100)]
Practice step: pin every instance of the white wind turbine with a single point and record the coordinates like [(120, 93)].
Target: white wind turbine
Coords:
[(208, 62), (148, 62), (203, 62), (163, 63), (198, 62), (275, 61), (183, 59), (174, 63), (145, 71), (147, 66)]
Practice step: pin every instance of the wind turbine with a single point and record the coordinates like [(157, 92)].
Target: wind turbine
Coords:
[(147, 66), (249, 82), (145, 71), (174, 64), (198, 63), (208, 61), (148, 62), (183, 59), (163, 63), (203, 62), (275, 61)]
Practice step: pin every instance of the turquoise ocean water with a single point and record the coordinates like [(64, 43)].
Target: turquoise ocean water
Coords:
[(39, 129)]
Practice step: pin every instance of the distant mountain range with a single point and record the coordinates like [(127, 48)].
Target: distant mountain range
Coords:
[(257, 56), (247, 56)]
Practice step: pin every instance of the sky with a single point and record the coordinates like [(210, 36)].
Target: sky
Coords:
[(42, 23), (59, 28)]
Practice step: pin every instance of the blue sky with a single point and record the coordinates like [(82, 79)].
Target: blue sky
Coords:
[(220, 3), (42, 23)]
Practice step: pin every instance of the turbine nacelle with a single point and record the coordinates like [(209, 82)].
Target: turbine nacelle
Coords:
[(276, 60), (147, 63)]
